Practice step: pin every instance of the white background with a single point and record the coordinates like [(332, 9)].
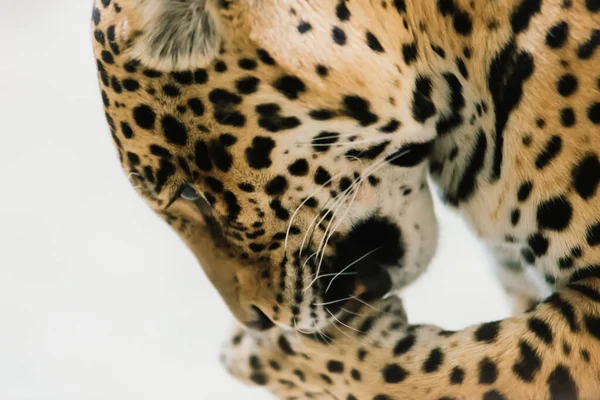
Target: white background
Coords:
[(98, 298)]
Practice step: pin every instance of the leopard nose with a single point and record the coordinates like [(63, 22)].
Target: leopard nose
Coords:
[(261, 322)]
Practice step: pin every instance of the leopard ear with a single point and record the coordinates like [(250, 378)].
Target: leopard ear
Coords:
[(171, 35)]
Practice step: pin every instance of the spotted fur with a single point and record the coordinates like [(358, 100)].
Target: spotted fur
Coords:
[(291, 157)]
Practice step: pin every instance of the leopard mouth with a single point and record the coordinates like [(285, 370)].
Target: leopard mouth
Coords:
[(370, 283), (358, 273)]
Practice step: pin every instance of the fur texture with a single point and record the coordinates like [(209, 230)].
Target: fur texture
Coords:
[(173, 34)]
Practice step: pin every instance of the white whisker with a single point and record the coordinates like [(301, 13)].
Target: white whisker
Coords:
[(323, 336), (352, 312), (365, 303), (317, 215), (329, 137), (334, 301), (326, 237), (332, 274), (306, 262), (298, 209), (351, 188), (342, 144), (322, 244), (343, 324), (336, 199), (303, 332), (350, 265)]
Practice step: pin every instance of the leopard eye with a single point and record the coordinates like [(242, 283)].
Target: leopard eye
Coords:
[(189, 193)]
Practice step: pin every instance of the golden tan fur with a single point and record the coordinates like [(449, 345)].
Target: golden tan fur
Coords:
[(508, 99)]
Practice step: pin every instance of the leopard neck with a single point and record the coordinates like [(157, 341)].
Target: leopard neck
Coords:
[(467, 56)]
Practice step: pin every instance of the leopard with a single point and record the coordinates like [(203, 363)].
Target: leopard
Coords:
[(294, 145)]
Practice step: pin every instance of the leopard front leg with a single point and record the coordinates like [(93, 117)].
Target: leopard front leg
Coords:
[(288, 363), (550, 352)]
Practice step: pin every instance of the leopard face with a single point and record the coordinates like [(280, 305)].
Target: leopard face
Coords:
[(301, 191)]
